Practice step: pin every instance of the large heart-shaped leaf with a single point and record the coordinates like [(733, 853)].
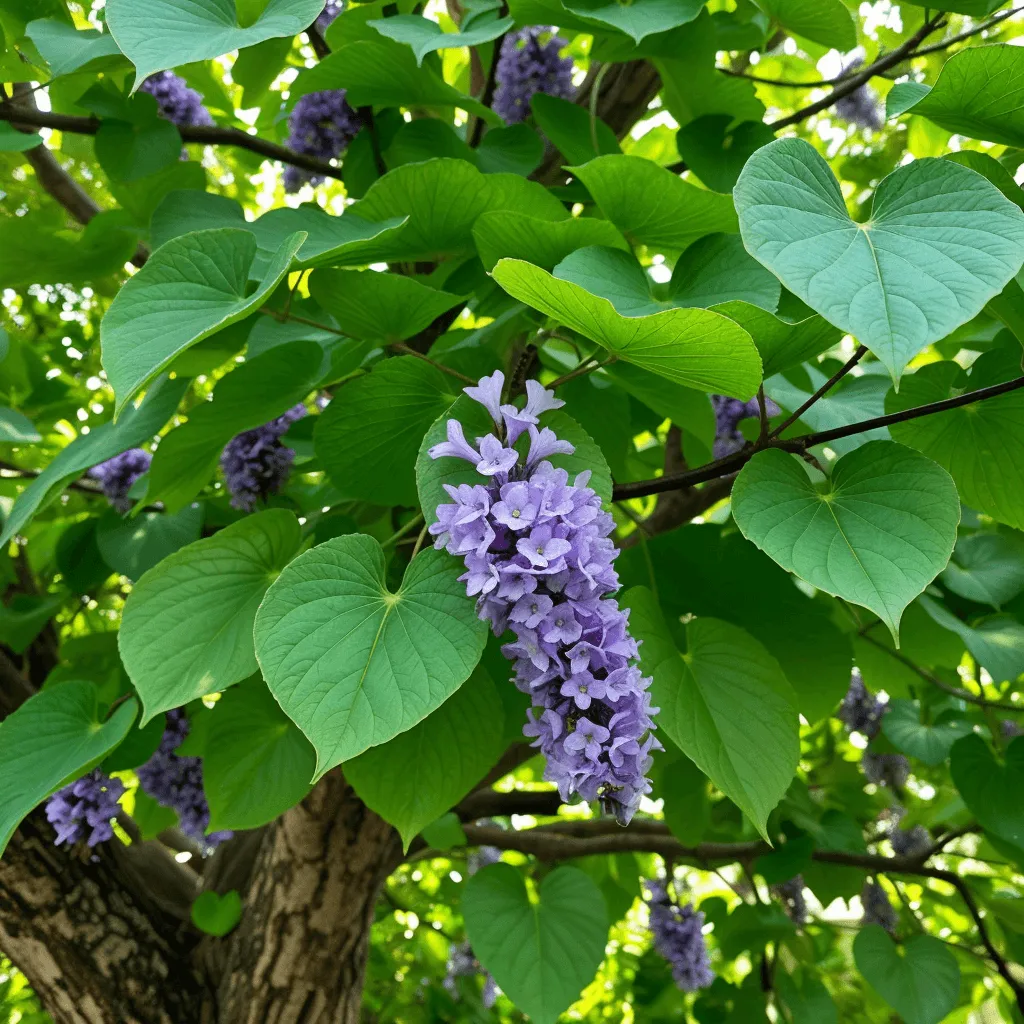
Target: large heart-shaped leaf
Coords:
[(724, 702), (542, 953), (159, 34), (928, 742), (187, 624), (132, 547), (189, 288), (67, 49), (637, 20), (876, 534), (55, 736), (991, 790), (695, 347), (920, 980), (425, 36), (414, 778), (941, 241), (351, 662)]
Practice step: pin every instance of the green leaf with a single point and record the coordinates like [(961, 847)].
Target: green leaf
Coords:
[(822, 21), (542, 952), (217, 915), (920, 979), (987, 568), (715, 148), (445, 833), (695, 347), (137, 426), (653, 206), (133, 547), (54, 737), (542, 242), (979, 93), (637, 20), (67, 49), (187, 624), (980, 445), (876, 534), (13, 141), (354, 664), (514, 149), (190, 31), (425, 36), (806, 998), (132, 150), (257, 391), (996, 643), (975, 8), (368, 437), (256, 763), (257, 66), (16, 428), (724, 702), (941, 242), (991, 790), (569, 129), (189, 288), (928, 742), (372, 305), (684, 788), (433, 474), (414, 778)]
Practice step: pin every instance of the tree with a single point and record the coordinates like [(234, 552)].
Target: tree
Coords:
[(506, 522)]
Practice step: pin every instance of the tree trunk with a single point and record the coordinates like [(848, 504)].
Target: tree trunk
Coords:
[(299, 953)]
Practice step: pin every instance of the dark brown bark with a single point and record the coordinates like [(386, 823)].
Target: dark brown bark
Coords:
[(299, 954)]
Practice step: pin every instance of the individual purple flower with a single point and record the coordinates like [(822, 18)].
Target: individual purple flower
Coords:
[(176, 102), (530, 61), (117, 475), (328, 14), (791, 895), (679, 938), (729, 413), (890, 770), (85, 809), (175, 781), (256, 464), (877, 908), (861, 711), (860, 107), (538, 558), (321, 125), (912, 842)]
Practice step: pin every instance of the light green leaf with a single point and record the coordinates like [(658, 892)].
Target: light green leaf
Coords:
[(637, 20), (979, 93), (132, 547), (257, 391), (541, 953), (724, 702), (16, 428), (987, 567), (159, 34), (542, 242), (414, 778), (567, 126), (980, 445), (653, 206), (694, 347), (928, 742), (66, 49), (920, 980), (215, 914), (941, 242), (13, 141), (189, 288), (187, 624), (996, 643), (54, 737), (354, 664), (368, 438), (256, 762), (904, 95), (822, 21), (371, 305), (975, 8), (137, 426), (425, 36), (876, 534), (991, 790)]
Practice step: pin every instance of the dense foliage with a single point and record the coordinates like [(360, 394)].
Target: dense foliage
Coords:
[(591, 434)]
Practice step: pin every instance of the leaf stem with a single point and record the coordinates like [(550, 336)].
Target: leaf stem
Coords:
[(587, 366), (402, 531), (823, 390)]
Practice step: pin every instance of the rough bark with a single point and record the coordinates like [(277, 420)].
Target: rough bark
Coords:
[(299, 954)]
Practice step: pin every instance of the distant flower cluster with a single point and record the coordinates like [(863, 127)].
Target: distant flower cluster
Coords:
[(912, 842), (890, 770), (539, 561), (530, 61), (256, 464), (321, 125), (117, 475), (861, 711), (729, 413), (791, 895), (861, 107), (678, 938), (329, 13), (178, 103), (85, 809), (877, 908)]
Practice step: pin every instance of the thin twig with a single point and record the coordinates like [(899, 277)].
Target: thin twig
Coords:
[(419, 543), (402, 531), (405, 350), (823, 390), (587, 366)]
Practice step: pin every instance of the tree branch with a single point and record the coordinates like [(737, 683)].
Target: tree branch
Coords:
[(823, 390)]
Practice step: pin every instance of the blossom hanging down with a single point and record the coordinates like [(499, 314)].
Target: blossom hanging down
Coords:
[(530, 61), (176, 782), (85, 809), (678, 938), (256, 464), (729, 413), (890, 770), (791, 895), (117, 475), (539, 561), (861, 711), (176, 101), (877, 908), (322, 124), (861, 107), (332, 9)]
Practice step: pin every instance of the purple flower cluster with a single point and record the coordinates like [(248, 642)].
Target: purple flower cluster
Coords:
[(530, 61), (861, 107), (177, 102), (877, 908), (913, 842), (256, 464), (861, 711), (322, 124), (678, 938), (539, 561), (177, 782), (85, 809), (890, 770), (729, 412), (791, 895), (328, 14), (117, 475), (463, 964)]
